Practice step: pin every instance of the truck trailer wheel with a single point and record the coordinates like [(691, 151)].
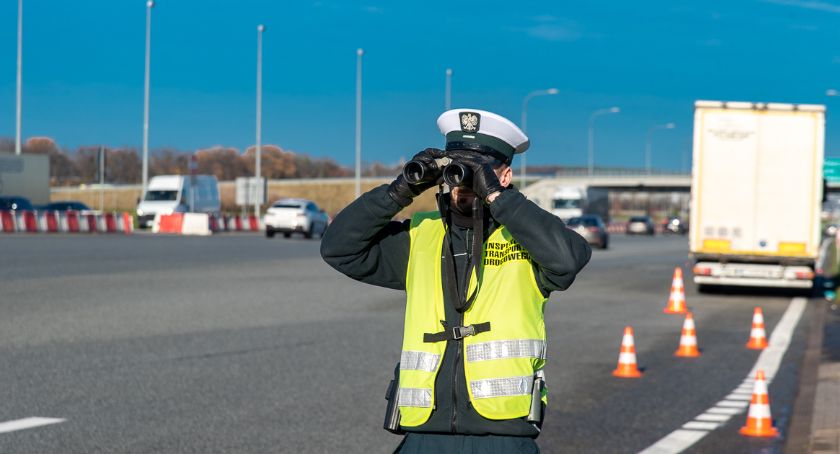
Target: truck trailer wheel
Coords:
[(269, 233)]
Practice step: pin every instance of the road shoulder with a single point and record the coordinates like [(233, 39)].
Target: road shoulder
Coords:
[(825, 425)]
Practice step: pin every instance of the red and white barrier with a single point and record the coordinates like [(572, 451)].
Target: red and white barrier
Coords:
[(71, 222), (617, 227), (48, 222), (126, 224), (28, 222), (65, 221), (7, 222), (182, 224)]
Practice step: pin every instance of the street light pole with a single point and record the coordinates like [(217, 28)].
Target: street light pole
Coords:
[(448, 100), (149, 5), (258, 151), (359, 53), (591, 144), (19, 77), (648, 143), (524, 122)]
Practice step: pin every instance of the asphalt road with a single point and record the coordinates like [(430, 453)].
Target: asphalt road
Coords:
[(237, 343)]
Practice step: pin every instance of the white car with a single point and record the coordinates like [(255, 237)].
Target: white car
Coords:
[(288, 216)]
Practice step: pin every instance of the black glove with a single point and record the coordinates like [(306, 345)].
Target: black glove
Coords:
[(484, 180), (403, 193)]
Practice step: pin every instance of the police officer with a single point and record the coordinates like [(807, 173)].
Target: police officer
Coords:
[(477, 274)]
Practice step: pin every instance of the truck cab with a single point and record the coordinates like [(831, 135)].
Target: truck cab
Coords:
[(568, 202)]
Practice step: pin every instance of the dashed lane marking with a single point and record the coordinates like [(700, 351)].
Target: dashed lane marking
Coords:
[(738, 399), (27, 423)]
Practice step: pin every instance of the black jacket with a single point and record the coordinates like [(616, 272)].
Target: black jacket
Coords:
[(365, 244)]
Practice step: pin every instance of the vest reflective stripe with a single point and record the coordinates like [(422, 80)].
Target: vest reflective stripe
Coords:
[(415, 397), (517, 348), (419, 361), (502, 387), (500, 364)]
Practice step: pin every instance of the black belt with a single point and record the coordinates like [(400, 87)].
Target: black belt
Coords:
[(457, 332)]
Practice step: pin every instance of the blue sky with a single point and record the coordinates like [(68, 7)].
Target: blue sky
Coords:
[(83, 71)]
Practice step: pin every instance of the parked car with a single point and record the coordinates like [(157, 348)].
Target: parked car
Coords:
[(288, 216), (675, 225), (15, 203), (66, 205), (641, 225), (592, 228)]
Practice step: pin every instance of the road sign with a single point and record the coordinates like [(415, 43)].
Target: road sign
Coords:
[(831, 170), (250, 190)]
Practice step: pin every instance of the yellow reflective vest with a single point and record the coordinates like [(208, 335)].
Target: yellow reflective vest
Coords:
[(500, 364)]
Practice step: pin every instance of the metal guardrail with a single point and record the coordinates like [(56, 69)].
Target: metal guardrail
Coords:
[(618, 173)]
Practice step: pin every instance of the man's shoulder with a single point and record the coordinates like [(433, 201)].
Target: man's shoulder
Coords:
[(420, 217)]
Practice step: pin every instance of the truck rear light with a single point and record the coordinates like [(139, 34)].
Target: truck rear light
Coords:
[(702, 271), (804, 274)]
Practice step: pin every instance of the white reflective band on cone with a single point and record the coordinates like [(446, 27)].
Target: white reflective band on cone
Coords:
[(689, 324), (627, 341), (627, 358), (502, 387), (757, 332), (410, 360), (415, 397), (759, 411), (516, 348), (691, 341)]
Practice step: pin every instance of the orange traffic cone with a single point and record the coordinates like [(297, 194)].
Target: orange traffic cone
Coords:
[(758, 337), (627, 358), (676, 301), (688, 339), (759, 422)]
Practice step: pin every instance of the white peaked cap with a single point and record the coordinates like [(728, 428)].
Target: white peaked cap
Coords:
[(482, 131)]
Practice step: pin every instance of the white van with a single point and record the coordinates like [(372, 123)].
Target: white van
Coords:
[(568, 202), (169, 194)]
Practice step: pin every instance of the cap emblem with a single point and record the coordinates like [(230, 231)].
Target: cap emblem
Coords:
[(470, 121)]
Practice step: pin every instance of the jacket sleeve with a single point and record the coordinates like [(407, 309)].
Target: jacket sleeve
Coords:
[(363, 242), (558, 253)]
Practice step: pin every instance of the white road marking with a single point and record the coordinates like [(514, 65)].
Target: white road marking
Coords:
[(716, 417), (27, 423), (733, 404), (738, 396), (723, 411), (768, 361), (700, 425)]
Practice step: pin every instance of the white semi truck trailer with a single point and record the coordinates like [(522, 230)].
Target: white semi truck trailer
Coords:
[(756, 193)]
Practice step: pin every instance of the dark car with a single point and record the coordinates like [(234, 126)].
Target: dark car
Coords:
[(675, 225), (66, 205), (640, 225), (592, 228), (15, 203)]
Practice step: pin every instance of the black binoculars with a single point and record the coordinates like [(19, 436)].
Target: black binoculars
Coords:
[(454, 173)]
